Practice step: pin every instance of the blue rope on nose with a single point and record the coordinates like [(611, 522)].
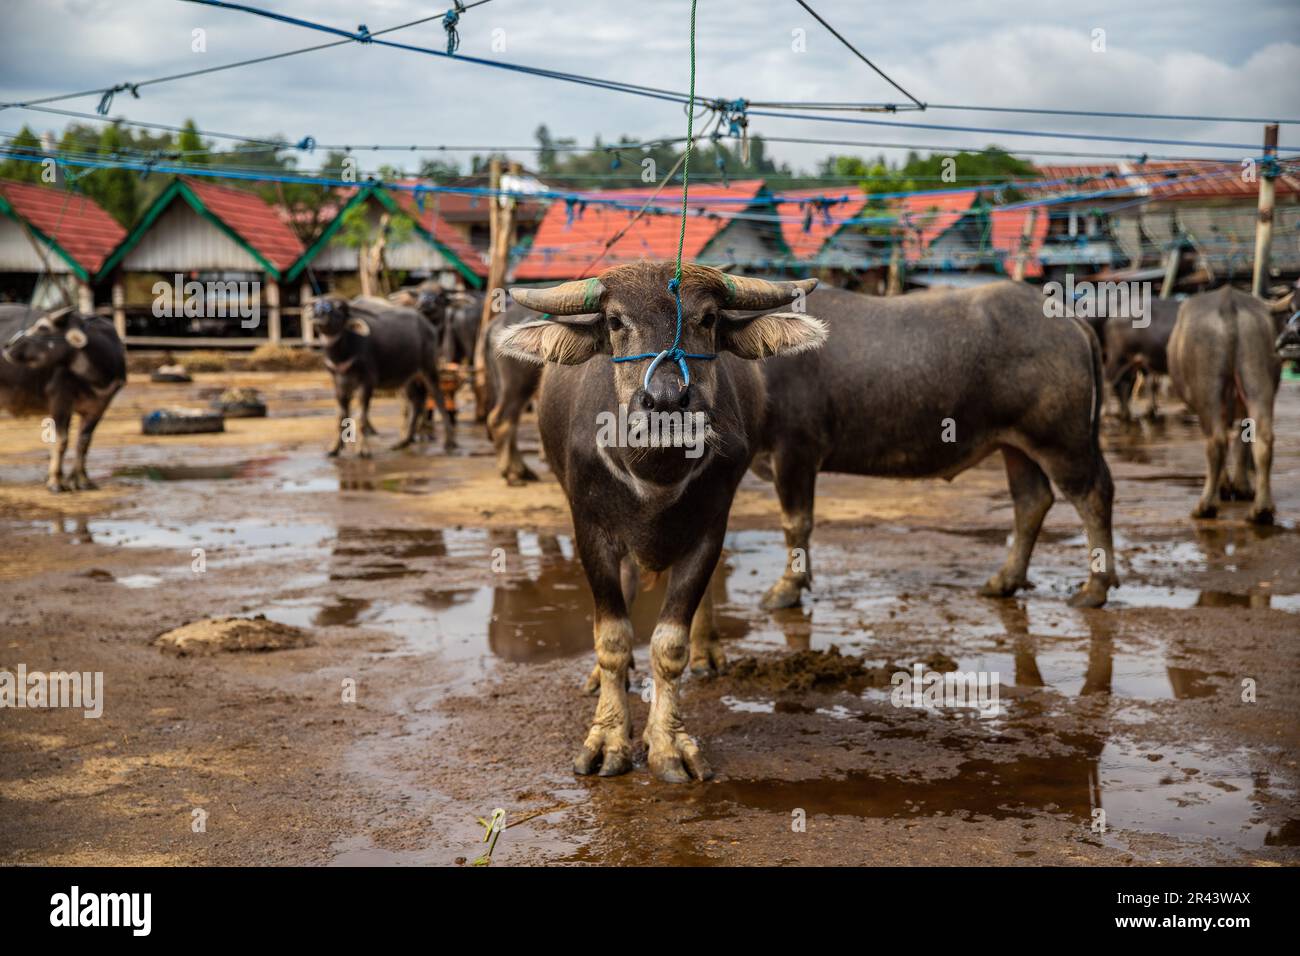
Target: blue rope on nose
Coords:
[(674, 352)]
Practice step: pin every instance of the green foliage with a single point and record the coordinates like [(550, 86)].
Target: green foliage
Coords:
[(360, 231), (19, 169)]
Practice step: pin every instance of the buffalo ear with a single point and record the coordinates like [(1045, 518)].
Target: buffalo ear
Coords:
[(568, 341), (358, 326), (76, 338), (778, 333)]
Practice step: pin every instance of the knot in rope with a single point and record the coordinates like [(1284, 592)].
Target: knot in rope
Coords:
[(449, 21), (307, 144), (363, 33), (106, 101)]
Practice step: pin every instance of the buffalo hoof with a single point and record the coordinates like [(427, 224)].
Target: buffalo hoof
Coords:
[(401, 445), (332, 453), (1205, 510), (1088, 596), (81, 482), (785, 593), (997, 587), (365, 453), (56, 485), (449, 447), (609, 751), (679, 761), (1260, 515), (710, 661)]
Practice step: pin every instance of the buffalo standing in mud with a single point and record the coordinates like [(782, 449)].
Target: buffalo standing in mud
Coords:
[(370, 345), (60, 363), (652, 507), (928, 385), (1224, 363)]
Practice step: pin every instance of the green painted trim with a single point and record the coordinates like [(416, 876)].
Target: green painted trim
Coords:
[(591, 295), (77, 268)]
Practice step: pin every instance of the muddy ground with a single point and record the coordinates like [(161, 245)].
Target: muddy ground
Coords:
[(455, 607)]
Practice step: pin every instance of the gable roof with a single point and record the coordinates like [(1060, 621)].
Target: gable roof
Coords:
[(571, 235), (925, 218), (1006, 231), (72, 225), (816, 225), (428, 225), (243, 216)]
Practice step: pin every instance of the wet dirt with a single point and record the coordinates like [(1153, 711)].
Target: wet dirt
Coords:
[(450, 635)]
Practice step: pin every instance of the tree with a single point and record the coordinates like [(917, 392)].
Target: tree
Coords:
[(190, 145), (370, 238), (114, 189), (27, 143)]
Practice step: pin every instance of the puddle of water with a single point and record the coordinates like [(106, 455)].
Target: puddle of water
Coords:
[(251, 468), (1179, 793), (139, 581)]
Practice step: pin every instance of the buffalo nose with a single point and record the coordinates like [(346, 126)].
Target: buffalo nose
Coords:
[(665, 396)]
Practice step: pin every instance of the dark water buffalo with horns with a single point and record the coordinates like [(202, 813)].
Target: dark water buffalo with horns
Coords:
[(660, 504), (370, 345), (60, 363), (1224, 363), (928, 385)]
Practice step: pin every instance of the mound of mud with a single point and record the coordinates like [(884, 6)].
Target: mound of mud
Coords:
[(222, 634), (805, 670)]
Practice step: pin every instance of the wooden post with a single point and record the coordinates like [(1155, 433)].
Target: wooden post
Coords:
[(1172, 259), (1264, 225), (501, 224), (85, 299), (1026, 237), (304, 314), (119, 307), (273, 311), (894, 284)]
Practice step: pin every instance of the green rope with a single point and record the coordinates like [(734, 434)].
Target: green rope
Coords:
[(690, 140)]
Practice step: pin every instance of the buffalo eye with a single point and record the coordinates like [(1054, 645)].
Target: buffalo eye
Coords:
[(707, 320), (615, 323)]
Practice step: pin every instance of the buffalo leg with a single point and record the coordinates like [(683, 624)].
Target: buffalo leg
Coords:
[(609, 742), (366, 392), (796, 482), (1261, 512), (414, 413), (85, 432), (503, 426), (674, 756), (343, 394), (1216, 447), (1234, 483), (1089, 487), (707, 657), (61, 414), (1031, 494), (629, 581)]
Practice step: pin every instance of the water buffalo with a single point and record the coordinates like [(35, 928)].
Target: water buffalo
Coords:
[(61, 362), (1138, 345), (512, 383), (657, 505), (1224, 364), (370, 344), (928, 385)]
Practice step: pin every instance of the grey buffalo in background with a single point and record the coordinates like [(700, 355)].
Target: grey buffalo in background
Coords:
[(60, 363), (1224, 363), (929, 384)]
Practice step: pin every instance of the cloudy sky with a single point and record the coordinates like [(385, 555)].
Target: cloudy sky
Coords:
[(1192, 56)]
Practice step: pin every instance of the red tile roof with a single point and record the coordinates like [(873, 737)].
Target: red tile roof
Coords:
[(925, 218), (76, 223), (257, 222), (562, 249), (821, 222)]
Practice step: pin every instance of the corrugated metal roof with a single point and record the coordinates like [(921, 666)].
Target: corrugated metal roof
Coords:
[(77, 223), (563, 247), (257, 222)]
